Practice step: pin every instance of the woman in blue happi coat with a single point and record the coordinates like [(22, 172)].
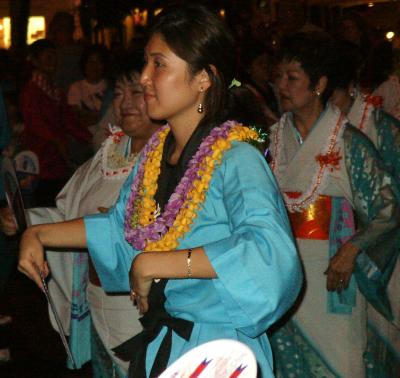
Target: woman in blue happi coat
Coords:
[(228, 268)]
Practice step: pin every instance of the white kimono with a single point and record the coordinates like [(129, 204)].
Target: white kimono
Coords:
[(327, 339), (95, 184)]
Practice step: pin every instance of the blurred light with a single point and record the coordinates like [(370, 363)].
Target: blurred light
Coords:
[(36, 29), (7, 32), (390, 35), (1, 27), (157, 11), (371, 5), (222, 12)]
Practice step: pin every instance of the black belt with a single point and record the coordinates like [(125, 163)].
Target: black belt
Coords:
[(134, 349)]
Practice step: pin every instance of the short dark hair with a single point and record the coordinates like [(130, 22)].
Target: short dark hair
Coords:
[(198, 36), (133, 62), (37, 47), (318, 56), (62, 21), (349, 72)]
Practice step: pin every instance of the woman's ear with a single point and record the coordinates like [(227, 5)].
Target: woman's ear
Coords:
[(352, 89), (204, 79), (321, 85)]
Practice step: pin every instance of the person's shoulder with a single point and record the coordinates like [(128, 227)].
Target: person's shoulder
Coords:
[(384, 117), (354, 139), (242, 153), (352, 132)]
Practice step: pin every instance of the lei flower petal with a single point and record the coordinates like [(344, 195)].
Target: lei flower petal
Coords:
[(149, 232)]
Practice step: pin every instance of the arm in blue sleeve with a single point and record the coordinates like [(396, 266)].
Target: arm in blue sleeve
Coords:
[(111, 254), (259, 274)]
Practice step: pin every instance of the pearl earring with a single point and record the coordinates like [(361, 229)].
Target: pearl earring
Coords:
[(200, 108)]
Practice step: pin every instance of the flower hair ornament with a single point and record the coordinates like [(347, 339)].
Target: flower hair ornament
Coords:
[(234, 83)]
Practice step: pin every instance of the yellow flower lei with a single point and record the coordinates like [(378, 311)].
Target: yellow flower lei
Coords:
[(147, 206)]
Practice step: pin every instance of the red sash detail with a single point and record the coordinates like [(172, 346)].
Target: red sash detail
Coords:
[(314, 221)]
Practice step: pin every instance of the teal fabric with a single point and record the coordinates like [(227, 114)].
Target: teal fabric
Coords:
[(244, 229), (341, 230), (378, 236), (382, 361), (102, 364), (388, 141), (79, 340), (296, 357)]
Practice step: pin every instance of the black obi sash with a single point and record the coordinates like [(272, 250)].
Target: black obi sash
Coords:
[(134, 349)]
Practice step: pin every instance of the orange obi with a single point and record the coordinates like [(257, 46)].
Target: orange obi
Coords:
[(314, 221)]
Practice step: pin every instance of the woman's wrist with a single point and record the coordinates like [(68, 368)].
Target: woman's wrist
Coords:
[(37, 232), (179, 264), (350, 250), (144, 266), (171, 264)]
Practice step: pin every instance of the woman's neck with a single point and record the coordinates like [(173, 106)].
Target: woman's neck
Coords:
[(182, 130), (137, 145), (347, 105), (304, 120), (138, 142)]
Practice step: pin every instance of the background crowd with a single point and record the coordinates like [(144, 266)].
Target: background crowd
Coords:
[(70, 93)]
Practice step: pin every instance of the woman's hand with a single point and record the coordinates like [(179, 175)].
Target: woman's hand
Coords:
[(341, 268), (140, 281), (31, 256), (7, 223)]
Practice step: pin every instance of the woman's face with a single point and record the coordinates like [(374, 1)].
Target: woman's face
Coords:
[(170, 91), (130, 108), (94, 68), (46, 62), (294, 87)]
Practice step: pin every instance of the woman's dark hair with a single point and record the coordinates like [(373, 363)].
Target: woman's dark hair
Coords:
[(133, 62), (199, 36), (318, 56), (98, 50), (37, 47), (351, 64)]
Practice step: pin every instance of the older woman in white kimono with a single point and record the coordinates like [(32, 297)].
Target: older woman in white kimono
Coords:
[(330, 173), (74, 285)]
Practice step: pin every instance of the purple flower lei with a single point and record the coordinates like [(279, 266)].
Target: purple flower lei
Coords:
[(139, 236)]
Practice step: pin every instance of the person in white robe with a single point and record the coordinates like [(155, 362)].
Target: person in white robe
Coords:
[(95, 321), (344, 209), (366, 113)]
